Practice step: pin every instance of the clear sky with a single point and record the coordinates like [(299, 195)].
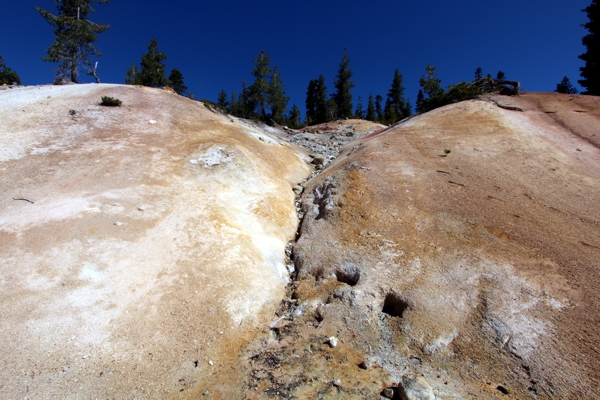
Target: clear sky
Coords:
[(213, 42)]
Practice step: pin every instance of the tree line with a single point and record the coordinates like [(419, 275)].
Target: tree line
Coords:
[(265, 98)]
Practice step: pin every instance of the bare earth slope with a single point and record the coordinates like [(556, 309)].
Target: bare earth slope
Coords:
[(140, 246), (462, 245)]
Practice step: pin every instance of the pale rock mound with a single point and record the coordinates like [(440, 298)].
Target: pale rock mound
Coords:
[(140, 246), (461, 247)]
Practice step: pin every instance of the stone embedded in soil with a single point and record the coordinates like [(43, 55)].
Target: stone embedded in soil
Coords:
[(366, 364), (319, 160), (413, 387)]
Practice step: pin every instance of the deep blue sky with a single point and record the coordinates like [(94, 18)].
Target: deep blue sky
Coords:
[(213, 42)]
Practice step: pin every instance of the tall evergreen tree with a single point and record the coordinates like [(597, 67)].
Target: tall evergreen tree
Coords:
[(316, 102), (133, 75), (176, 81), (260, 88), (331, 108), (75, 37), (7, 75), (389, 112), (478, 73), (311, 103), (420, 97), (400, 106), (378, 108), (359, 112), (294, 117), (222, 99), (277, 100), (342, 96), (590, 72), (371, 116), (321, 100), (233, 104), (500, 76), (565, 87), (245, 104), (431, 84), (152, 71)]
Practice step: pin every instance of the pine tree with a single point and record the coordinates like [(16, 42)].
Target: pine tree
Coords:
[(371, 116), (260, 88), (246, 104), (331, 108), (133, 75), (311, 103), (342, 96), (389, 113), (277, 100), (359, 112), (222, 99), (233, 104), (7, 75), (591, 71), (478, 73), (431, 84), (400, 106), (321, 100), (378, 108), (152, 71), (500, 76), (420, 98), (565, 87), (294, 117), (75, 37), (176, 81)]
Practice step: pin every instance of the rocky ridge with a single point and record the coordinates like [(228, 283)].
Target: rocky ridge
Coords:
[(453, 255)]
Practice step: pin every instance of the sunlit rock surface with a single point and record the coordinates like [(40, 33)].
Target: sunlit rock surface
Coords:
[(462, 245), (140, 246)]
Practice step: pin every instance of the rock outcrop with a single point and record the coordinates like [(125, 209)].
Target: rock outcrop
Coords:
[(140, 246), (143, 250), (463, 245)]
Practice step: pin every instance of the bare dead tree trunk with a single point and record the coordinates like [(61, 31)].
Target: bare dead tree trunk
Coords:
[(94, 73)]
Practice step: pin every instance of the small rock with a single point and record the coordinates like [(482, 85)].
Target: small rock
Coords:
[(388, 393), (117, 223), (320, 313), (206, 393), (210, 362), (152, 121), (337, 383), (318, 160), (366, 364), (279, 323), (413, 387), (332, 341), (298, 190), (141, 208)]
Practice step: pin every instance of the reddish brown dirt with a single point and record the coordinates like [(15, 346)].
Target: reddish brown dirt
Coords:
[(484, 223)]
